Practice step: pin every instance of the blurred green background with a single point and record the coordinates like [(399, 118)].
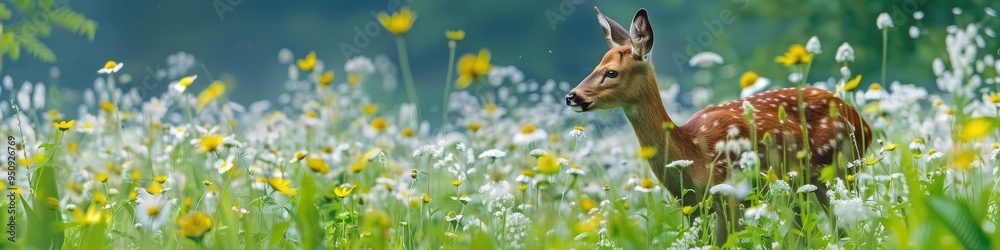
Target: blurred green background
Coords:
[(546, 39)]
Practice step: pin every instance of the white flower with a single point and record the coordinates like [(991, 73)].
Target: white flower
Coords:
[(8, 82), (577, 132), (756, 87), (845, 53), (883, 21), (722, 189), (680, 164), (526, 136), (851, 211), (807, 188), (918, 15), (795, 77), (576, 170), (780, 186), (223, 166), (39, 99), (537, 152), (991, 12), (956, 11), (360, 64), (153, 211), (113, 69), (492, 153), (705, 59), (181, 84), (813, 46), (285, 56), (845, 72), (914, 32)]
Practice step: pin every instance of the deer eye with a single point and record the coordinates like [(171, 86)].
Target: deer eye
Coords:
[(611, 74)]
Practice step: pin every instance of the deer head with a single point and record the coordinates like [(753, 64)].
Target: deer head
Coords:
[(625, 75)]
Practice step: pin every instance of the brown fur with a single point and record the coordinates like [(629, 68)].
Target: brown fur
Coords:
[(635, 91)]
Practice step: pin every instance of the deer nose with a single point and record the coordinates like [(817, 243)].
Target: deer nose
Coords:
[(572, 99)]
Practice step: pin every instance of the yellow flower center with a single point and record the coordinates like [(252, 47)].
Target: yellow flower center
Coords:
[(407, 132), (548, 165), (455, 35), (647, 183), (210, 143), (380, 124), (326, 79), (110, 65), (353, 78), (474, 126), (748, 79), (490, 108), (875, 87), (186, 81), (153, 211), (528, 128), (369, 109)]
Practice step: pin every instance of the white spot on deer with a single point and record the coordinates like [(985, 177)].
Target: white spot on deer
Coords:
[(715, 123), (703, 128), (838, 124), (774, 106), (703, 116)]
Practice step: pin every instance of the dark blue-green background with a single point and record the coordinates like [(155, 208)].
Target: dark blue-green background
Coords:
[(244, 41)]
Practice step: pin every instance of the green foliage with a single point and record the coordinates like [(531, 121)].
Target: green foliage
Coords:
[(34, 22)]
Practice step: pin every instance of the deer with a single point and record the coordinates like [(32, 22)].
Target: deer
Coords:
[(625, 78)]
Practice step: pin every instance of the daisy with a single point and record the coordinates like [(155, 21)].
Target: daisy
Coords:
[(529, 134), (752, 83), (576, 170), (647, 185), (492, 154), (577, 132), (705, 59), (111, 67), (153, 211), (180, 85), (223, 166)]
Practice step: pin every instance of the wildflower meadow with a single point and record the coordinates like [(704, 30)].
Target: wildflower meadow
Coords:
[(507, 165)]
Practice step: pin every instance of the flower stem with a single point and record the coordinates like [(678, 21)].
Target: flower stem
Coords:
[(447, 85), (885, 46), (404, 63)]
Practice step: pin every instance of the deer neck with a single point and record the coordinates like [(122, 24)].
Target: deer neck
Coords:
[(647, 117)]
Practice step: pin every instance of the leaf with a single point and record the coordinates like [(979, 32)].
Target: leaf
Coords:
[(957, 217), (36, 48), (279, 231), (4, 12), (307, 216), (66, 18), (829, 173)]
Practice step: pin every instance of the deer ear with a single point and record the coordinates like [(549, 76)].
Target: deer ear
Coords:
[(613, 32), (641, 35)]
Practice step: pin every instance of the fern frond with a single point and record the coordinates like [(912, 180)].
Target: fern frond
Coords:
[(66, 18), (36, 48)]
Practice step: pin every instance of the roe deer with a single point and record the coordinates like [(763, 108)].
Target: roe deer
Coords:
[(625, 78)]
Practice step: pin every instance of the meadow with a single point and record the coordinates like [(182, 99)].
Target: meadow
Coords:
[(509, 167)]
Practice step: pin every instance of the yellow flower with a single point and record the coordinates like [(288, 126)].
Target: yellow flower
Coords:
[(853, 83), (187, 80), (353, 78), (308, 63), (796, 54), (326, 79), (380, 124), (343, 190), (281, 185), (362, 161), (52, 202), (875, 87), (748, 79), (426, 198), (110, 67), (92, 216), (107, 106), (586, 204), (407, 132), (587, 226), (154, 188), (369, 109), (299, 156), (317, 165), (455, 35), (472, 66), (474, 126), (995, 98), (72, 146), (890, 147), (456, 182), (687, 210), (214, 91), (548, 165), (398, 23), (647, 183), (64, 125), (850, 178), (210, 143), (161, 179), (647, 152), (977, 128), (195, 225), (528, 128), (103, 177), (490, 108)]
